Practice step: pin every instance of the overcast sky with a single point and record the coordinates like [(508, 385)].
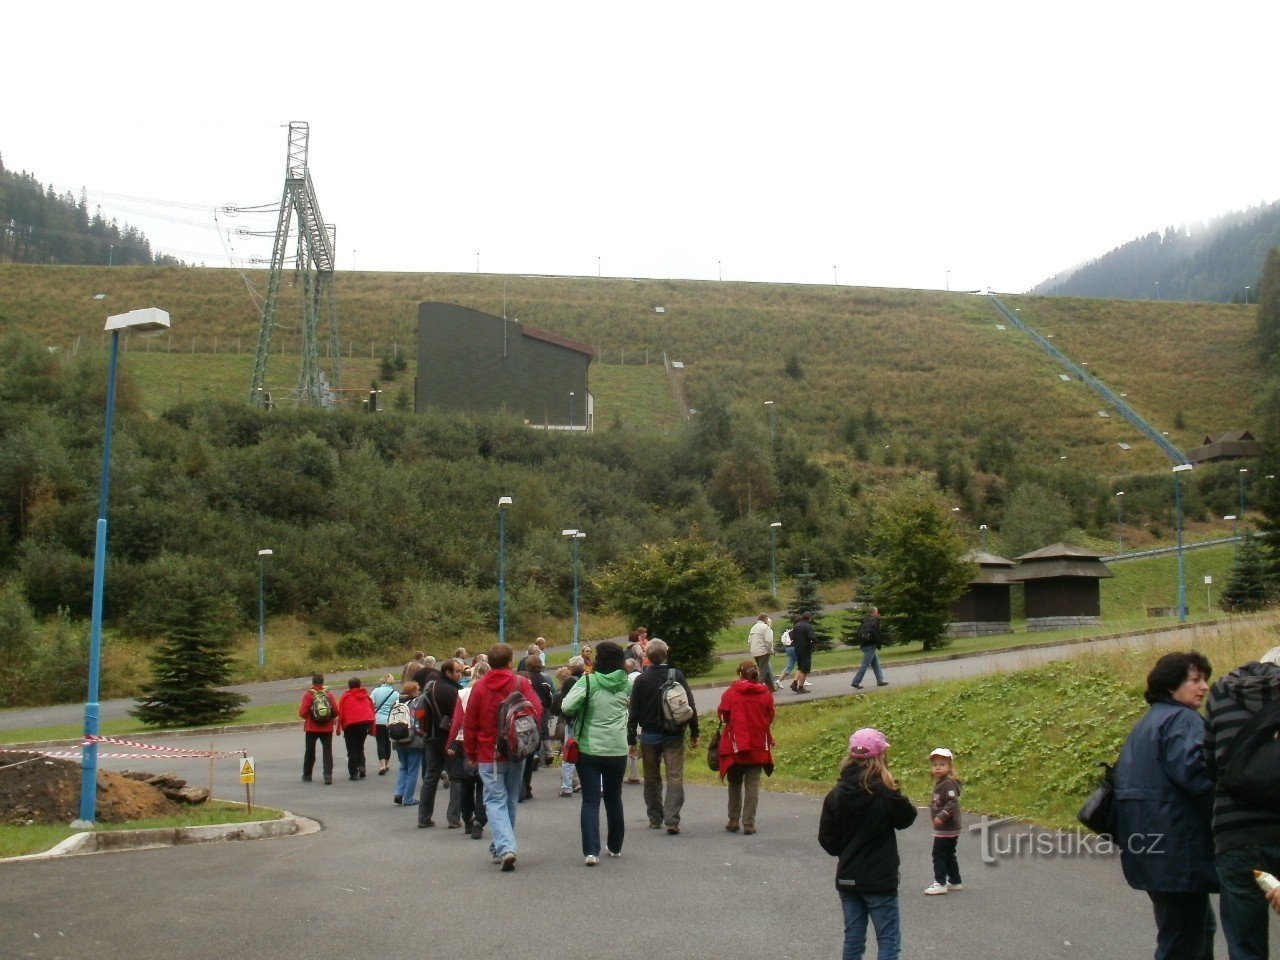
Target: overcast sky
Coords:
[(903, 145)]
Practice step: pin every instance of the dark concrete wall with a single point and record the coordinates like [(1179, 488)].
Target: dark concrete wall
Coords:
[(474, 362)]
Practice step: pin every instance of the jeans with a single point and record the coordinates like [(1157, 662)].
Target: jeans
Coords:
[(790, 668), (740, 808), (309, 754), (883, 912), (567, 770), (870, 658), (355, 734), (671, 752), (946, 865), (1184, 925), (764, 667), (601, 775), (1245, 910), (407, 779), (501, 794)]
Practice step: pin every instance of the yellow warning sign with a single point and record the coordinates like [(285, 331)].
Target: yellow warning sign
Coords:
[(246, 770)]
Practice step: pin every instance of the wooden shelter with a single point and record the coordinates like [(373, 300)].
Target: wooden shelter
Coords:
[(1061, 587), (984, 608), (1232, 445)]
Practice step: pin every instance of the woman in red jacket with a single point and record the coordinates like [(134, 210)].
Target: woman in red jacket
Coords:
[(355, 720), (745, 744)]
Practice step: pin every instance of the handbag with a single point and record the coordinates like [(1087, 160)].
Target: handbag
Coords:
[(1099, 811), (713, 750), (571, 751)]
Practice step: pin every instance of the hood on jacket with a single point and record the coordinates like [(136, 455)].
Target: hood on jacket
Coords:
[(1253, 685), (611, 682), (751, 688), (358, 693)]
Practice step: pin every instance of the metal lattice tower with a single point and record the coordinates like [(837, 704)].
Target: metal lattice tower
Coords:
[(314, 269)]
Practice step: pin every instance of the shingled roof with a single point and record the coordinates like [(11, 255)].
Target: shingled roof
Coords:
[(1232, 445), (991, 569), (1061, 560)]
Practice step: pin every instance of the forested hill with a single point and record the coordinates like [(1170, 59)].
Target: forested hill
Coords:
[(1210, 262), (39, 226)]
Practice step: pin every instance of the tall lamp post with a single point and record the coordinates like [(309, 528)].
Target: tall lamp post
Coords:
[(503, 503), (577, 536), (773, 424), (147, 321), (1178, 471), (1235, 526), (1120, 521), (1242, 472), (262, 606), (986, 533), (773, 557), (570, 408)]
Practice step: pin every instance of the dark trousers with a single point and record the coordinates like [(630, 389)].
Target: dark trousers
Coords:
[(354, 735), (1184, 925), (601, 777), (946, 866), (384, 741), (309, 754), (473, 811), (433, 760), (1246, 915)]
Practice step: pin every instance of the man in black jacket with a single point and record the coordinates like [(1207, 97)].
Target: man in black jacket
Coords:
[(437, 701), (803, 638), (870, 638), (659, 743), (1245, 837)]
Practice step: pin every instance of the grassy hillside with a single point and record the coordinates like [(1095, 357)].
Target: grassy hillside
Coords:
[(933, 366)]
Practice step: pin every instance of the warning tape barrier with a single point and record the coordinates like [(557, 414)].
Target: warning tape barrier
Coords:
[(155, 752)]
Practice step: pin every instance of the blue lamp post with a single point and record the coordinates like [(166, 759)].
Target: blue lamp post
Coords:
[(773, 557), (571, 409), (1178, 471), (149, 320), (262, 607), (577, 536), (986, 533), (773, 424), (1243, 471), (503, 503), (1120, 522)]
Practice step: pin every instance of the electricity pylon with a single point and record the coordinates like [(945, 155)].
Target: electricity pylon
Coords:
[(314, 270)]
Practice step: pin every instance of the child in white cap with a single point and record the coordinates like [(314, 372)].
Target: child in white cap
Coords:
[(945, 810), (859, 817)]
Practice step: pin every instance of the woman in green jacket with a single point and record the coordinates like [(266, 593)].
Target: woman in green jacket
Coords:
[(598, 705)]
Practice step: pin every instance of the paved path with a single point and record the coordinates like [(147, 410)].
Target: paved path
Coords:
[(371, 884)]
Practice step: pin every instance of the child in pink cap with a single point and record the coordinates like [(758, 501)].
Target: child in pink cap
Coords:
[(859, 817)]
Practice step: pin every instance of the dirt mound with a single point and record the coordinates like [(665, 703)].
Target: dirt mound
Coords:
[(46, 790)]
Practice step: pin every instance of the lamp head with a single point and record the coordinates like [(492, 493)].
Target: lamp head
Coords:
[(1183, 467), (776, 523), (148, 321), (266, 553), (504, 501), (568, 533)]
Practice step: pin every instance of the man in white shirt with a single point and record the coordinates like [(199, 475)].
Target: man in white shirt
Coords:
[(760, 643)]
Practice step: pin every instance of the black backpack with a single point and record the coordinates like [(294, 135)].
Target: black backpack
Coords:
[(869, 632), (1251, 771)]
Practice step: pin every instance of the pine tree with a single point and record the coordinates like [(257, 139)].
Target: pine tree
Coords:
[(188, 666), (1251, 586), (808, 601), (1268, 331)]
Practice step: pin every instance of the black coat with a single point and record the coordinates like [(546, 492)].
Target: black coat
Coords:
[(646, 703), (803, 637), (858, 827)]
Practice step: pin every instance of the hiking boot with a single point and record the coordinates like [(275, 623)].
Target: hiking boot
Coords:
[(935, 889), (426, 823), (306, 778), (328, 781), (508, 862), (655, 824), (397, 799), (748, 831), (732, 826), (477, 831), (882, 683), (856, 686), (673, 830)]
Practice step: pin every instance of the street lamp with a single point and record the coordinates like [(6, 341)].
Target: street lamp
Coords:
[(146, 321), (1235, 524), (1178, 471), (577, 536), (1246, 296), (571, 409), (262, 607), (773, 557), (986, 533), (1120, 522), (1243, 471), (503, 503), (773, 423)]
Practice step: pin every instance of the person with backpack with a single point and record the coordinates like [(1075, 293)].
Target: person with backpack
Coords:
[(1163, 798), (435, 716), (461, 769), (384, 697), (318, 711), (870, 640), (500, 730), (355, 721), (803, 639), (598, 703), (541, 683), (1243, 720), (662, 708), (406, 737), (789, 649)]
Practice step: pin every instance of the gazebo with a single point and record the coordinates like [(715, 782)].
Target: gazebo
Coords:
[(984, 608), (1061, 586)]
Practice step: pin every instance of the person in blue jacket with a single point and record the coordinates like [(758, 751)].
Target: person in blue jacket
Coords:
[(1164, 806)]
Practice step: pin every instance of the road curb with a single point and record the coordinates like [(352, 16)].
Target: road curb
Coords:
[(111, 841)]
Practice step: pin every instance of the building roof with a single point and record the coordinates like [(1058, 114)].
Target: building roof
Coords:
[(1061, 560), (558, 340), (1232, 445), (991, 569)]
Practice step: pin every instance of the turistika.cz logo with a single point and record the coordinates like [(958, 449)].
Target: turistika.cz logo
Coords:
[(996, 844)]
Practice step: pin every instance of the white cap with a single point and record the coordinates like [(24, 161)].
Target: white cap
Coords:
[(941, 752)]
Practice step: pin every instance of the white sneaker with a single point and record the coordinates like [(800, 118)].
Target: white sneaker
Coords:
[(935, 889), (955, 886), (615, 855), (592, 861)]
